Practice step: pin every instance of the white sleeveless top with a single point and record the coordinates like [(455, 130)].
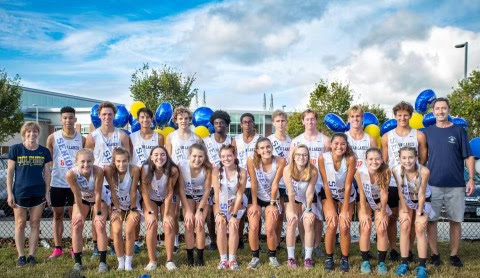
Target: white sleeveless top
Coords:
[(413, 185), (87, 187), (228, 190), (158, 187), (194, 187), (104, 147), (123, 191), (142, 147), (244, 151), (336, 179), (395, 142), (64, 151), (300, 188), (316, 148), (213, 148), (360, 147), (180, 147), (282, 149), (265, 180)]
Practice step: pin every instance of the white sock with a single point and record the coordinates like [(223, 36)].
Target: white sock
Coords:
[(223, 257), (291, 252), (121, 262), (177, 243), (128, 262), (308, 252), (232, 257)]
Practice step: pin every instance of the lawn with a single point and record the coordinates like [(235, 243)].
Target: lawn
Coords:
[(470, 253)]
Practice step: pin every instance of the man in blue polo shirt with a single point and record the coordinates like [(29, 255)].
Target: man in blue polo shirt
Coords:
[(448, 149)]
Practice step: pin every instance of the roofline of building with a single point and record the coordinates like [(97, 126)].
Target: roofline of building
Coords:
[(49, 93)]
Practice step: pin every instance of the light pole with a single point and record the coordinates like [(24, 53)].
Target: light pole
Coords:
[(283, 107), (36, 112), (466, 55)]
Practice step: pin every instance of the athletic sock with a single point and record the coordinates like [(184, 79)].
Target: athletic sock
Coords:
[(405, 260), (121, 262), (256, 253), (345, 257), (291, 252), (177, 242), (190, 257), (272, 253), (232, 257), (128, 261), (422, 262), (103, 256), (78, 257), (200, 257), (381, 256), (365, 256), (308, 252), (223, 257), (329, 256)]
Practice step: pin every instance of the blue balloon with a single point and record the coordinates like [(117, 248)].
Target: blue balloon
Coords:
[(94, 116), (429, 119), (172, 124), (369, 119), (424, 99), (210, 128), (201, 116), (334, 123), (460, 121), (121, 117), (475, 146), (135, 125), (450, 118), (126, 131), (421, 129), (163, 114), (130, 118), (387, 126), (347, 127)]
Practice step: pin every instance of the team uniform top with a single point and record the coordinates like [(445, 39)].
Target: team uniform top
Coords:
[(372, 191), (265, 180), (64, 151), (282, 149), (336, 179), (245, 150), (87, 187), (104, 147), (213, 148), (228, 195), (194, 187), (157, 192), (300, 190), (395, 143), (360, 147), (180, 147), (315, 147), (142, 147), (123, 191)]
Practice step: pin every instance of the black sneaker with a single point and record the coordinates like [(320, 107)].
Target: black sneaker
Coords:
[(22, 261), (31, 260), (435, 260), (394, 256), (455, 261), (344, 265), (176, 249), (411, 257), (212, 246), (329, 264), (241, 245)]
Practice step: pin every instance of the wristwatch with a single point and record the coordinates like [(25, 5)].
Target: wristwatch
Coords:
[(234, 215), (308, 209), (99, 213), (151, 212), (272, 202), (200, 209), (134, 208)]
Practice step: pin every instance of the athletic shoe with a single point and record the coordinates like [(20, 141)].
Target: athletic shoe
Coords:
[(273, 262), (382, 268), (241, 245), (394, 255), (435, 260), (212, 246), (112, 251), (222, 265), (402, 270), (365, 268), (121, 267), (291, 263), (150, 267), (128, 268), (22, 261), (344, 265), (233, 265), (254, 263), (421, 272), (171, 266), (57, 252), (95, 252), (308, 263), (455, 261), (78, 267), (136, 249), (328, 264), (318, 252), (176, 249), (31, 260), (102, 267), (411, 257)]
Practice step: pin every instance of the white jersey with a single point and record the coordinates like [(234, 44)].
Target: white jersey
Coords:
[(142, 147), (228, 195), (194, 186), (315, 147), (213, 148), (244, 151), (157, 192), (300, 189), (371, 190), (336, 179), (103, 150), (180, 147), (282, 149), (265, 181), (87, 188), (360, 147), (123, 191), (395, 143), (64, 151)]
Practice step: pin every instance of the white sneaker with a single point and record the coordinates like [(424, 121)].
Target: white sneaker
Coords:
[(128, 267), (121, 267), (171, 266), (274, 262), (150, 267)]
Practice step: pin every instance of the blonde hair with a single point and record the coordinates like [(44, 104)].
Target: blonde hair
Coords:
[(107, 104), (88, 152), (28, 126), (279, 113), (305, 174), (308, 111), (355, 108), (181, 110)]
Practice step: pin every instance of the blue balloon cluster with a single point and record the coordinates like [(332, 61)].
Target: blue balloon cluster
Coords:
[(475, 146), (424, 99), (369, 119), (121, 117), (387, 126), (172, 124), (460, 121), (428, 119), (201, 116), (134, 124), (335, 123), (94, 116), (163, 114)]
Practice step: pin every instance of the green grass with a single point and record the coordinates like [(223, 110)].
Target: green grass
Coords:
[(470, 253)]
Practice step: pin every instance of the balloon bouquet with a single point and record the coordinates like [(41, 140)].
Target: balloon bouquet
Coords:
[(370, 124)]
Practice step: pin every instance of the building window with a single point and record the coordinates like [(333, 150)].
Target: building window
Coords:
[(85, 130), (57, 128)]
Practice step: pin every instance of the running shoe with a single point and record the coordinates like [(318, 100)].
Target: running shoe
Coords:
[(136, 249), (291, 263), (128, 267), (365, 268), (273, 262), (455, 261), (150, 267), (328, 265), (95, 252), (344, 265), (435, 260), (176, 249), (22, 261), (57, 252), (318, 252), (233, 265), (171, 266), (421, 272), (382, 268), (102, 268), (308, 263), (112, 251), (402, 270), (78, 267), (212, 246), (31, 260), (254, 263), (222, 265)]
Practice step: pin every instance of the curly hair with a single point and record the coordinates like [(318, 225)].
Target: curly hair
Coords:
[(403, 106), (181, 110), (220, 114), (107, 104)]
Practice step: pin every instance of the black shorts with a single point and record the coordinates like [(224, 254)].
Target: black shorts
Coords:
[(323, 196), (159, 203), (194, 197), (260, 203), (283, 192), (393, 198), (355, 185), (286, 200), (87, 203), (61, 197), (29, 202)]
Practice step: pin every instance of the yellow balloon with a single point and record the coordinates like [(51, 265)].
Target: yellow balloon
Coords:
[(416, 121), (379, 142), (136, 105), (167, 130), (159, 131), (372, 130), (201, 131)]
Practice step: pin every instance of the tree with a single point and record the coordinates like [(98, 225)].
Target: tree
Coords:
[(11, 118), (294, 127), (153, 87), (465, 102)]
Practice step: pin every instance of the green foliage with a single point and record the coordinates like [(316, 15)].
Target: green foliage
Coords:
[(294, 127), (153, 87), (11, 118), (465, 102)]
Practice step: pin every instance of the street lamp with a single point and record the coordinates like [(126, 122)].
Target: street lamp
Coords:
[(283, 107), (466, 55), (36, 112)]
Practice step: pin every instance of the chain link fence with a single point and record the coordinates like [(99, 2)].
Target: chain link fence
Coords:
[(470, 228)]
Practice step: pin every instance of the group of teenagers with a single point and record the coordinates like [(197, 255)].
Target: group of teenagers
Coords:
[(220, 181)]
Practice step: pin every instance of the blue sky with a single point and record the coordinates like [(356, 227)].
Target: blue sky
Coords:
[(386, 50)]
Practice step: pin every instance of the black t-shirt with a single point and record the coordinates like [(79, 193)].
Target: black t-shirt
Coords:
[(447, 149), (29, 181)]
